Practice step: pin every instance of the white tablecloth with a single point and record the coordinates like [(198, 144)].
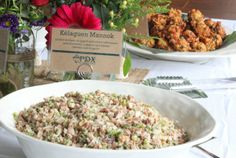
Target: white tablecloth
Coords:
[(220, 103)]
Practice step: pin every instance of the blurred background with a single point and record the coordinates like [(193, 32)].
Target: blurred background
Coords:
[(222, 9)]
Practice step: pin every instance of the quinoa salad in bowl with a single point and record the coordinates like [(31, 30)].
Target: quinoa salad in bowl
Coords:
[(99, 120), (104, 119)]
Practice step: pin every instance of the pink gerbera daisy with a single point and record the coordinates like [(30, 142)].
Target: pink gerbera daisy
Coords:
[(74, 16)]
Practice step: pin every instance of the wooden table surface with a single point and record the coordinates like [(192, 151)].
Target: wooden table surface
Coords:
[(223, 9)]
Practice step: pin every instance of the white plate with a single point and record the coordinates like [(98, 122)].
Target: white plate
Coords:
[(188, 113), (184, 56)]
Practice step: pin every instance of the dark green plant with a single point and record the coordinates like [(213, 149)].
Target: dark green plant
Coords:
[(18, 16), (117, 14)]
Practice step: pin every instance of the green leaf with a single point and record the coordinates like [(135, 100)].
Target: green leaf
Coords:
[(87, 2), (6, 86), (97, 10), (134, 44), (3, 79), (230, 39), (104, 15), (69, 76), (113, 6), (127, 64)]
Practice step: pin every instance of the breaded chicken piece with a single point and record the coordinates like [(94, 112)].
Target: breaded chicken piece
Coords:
[(195, 44), (196, 34), (216, 27), (195, 16), (163, 44), (157, 25), (190, 36), (147, 42), (155, 32), (208, 36), (213, 42), (175, 18), (174, 31), (158, 21), (176, 40), (180, 44), (198, 47), (150, 16), (196, 19), (203, 31)]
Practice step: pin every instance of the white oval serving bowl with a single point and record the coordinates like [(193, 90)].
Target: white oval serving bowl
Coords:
[(191, 57), (189, 114)]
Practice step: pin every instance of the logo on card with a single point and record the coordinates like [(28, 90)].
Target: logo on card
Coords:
[(85, 63), (78, 59)]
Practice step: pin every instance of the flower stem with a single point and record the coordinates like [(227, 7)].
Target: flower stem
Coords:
[(14, 4)]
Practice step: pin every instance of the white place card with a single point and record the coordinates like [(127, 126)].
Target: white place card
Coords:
[(86, 50)]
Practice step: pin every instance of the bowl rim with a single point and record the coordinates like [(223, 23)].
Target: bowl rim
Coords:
[(21, 135)]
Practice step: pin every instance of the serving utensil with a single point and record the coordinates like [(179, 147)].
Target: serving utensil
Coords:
[(176, 83), (184, 86), (207, 152), (204, 150)]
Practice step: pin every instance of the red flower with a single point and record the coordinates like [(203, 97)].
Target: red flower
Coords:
[(39, 3), (74, 16)]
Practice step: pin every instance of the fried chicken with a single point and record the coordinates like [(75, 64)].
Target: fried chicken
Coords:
[(209, 32), (195, 33), (163, 44), (213, 42), (216, 27), (180, 44), (174, 31), (159, 21), (155, 32), (195, 16), (190, 36), (196, 19), (194, 41), (198, 47), (175, 18), (176, 40), (146, 42)]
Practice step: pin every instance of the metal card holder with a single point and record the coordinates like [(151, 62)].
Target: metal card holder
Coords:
[(85, 71)]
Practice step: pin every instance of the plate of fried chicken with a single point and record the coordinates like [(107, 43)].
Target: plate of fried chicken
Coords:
[(188, 37)]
